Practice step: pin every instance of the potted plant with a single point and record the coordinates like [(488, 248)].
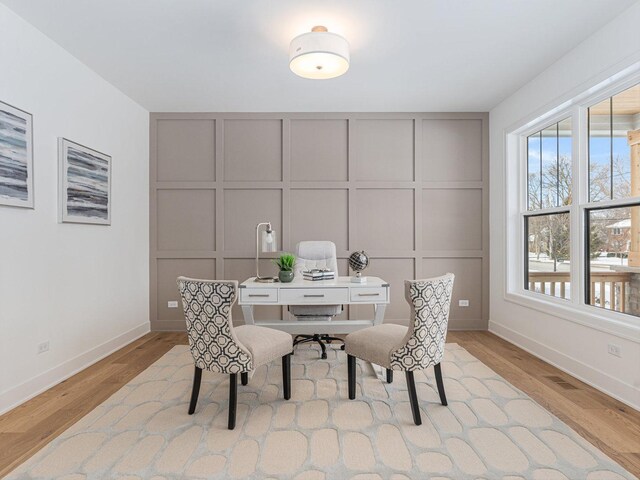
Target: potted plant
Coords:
[(285, 263)]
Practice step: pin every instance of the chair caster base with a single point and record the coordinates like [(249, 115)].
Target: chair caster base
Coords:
[(324, 356), (342, 346)]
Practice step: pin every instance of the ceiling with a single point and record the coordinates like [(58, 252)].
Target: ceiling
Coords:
[(409, 55)]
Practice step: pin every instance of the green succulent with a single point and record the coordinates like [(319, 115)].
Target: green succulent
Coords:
[(285, 262)]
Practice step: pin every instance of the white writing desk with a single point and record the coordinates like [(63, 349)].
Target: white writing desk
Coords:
[(340, 291)]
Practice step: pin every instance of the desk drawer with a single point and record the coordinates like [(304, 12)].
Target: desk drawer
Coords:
[(314, 296), (259, 295), (369, 294)]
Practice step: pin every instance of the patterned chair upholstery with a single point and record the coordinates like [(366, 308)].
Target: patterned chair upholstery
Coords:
[(412, 348), (219, 347)]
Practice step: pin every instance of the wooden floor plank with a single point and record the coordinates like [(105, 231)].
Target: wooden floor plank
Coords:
[(607, 423)]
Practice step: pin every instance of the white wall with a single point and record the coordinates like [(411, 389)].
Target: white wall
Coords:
[(84, 288), (566, 342)]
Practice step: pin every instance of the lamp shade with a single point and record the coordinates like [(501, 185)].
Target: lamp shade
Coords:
[(319, 54), (269, 241)]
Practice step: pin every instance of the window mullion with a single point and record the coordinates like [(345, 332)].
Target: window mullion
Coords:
[(580, 185)]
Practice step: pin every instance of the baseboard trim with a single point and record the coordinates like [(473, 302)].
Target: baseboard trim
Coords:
[(168, 326), (19, 394), (624, 392)]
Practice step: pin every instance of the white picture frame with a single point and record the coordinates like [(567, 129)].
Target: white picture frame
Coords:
[(16, 157), (84, 184)]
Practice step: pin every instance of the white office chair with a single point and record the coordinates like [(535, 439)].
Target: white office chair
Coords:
[(310, 255)]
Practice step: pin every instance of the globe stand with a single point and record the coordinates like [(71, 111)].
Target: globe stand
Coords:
[(358, 278)]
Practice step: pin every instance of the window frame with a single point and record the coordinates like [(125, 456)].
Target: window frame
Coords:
[(575, 309)]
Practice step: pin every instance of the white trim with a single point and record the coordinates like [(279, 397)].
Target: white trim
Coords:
[(582, 315), (19, 394), (546, 211), (624, 392)]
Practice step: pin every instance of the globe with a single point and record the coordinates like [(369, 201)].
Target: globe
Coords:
[(358, 261)]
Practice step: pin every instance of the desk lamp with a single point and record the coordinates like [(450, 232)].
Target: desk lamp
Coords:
[(268, 244)]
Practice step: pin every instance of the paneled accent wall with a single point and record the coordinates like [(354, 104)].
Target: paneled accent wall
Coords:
[(410, 189)]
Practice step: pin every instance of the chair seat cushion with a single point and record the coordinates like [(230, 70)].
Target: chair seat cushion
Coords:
[(375, 344), (264, 344)]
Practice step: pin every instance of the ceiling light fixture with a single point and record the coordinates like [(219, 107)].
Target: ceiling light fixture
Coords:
[(319, 54)]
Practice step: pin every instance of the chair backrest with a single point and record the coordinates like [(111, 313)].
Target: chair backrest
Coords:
[(430, 302), (207, 311), (316, 254)]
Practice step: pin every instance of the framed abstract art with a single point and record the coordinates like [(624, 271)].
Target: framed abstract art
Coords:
[(16, 157), (84, 184)]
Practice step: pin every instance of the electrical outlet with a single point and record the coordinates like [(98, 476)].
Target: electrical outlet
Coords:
[(43, 347), (463, 303), (614, 350), (172, 304)]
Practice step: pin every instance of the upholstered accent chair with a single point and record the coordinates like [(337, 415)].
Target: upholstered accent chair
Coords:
[(417, 347), (310, 255), (218, 346)]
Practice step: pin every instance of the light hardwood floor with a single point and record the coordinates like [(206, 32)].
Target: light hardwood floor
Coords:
[(607, 423)]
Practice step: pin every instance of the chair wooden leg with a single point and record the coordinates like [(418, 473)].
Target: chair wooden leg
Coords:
[(438, 371), (351, 374), (244, 378), (286, 376), (389, 375), (197, 377), (233, 399), (413, 398)]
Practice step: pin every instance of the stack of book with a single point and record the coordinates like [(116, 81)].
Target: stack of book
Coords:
[(318, 274)]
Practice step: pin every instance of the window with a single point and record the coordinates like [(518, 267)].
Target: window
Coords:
[(610, 270), (548, 254), (606, 205), (610, 121), (547, 239)]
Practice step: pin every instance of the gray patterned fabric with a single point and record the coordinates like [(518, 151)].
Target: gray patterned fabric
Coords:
[(430, 302), (207, 311)]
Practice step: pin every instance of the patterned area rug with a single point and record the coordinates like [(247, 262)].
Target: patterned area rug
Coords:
[(490, 430)]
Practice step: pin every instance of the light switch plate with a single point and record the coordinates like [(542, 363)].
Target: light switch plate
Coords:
[(172, 304), (463, 303)]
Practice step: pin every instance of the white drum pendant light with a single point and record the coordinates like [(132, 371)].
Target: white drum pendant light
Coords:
[(319, 54)]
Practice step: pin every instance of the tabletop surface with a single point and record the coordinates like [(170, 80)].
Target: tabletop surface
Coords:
[(299, 282)]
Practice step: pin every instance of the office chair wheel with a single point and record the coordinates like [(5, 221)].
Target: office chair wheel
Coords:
[(329, 341), (342, 346), (324, 355)]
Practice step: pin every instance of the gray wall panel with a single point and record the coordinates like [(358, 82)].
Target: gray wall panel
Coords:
[(452, 150), (410, 188), (186, 150), (384, 150), (199, 222), (243, 210), (452, 219), (385, 219), (319, 150), (320, 214), (253, 150)]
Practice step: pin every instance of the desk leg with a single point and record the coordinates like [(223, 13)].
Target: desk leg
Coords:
[(378, 315), (247, 313)]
